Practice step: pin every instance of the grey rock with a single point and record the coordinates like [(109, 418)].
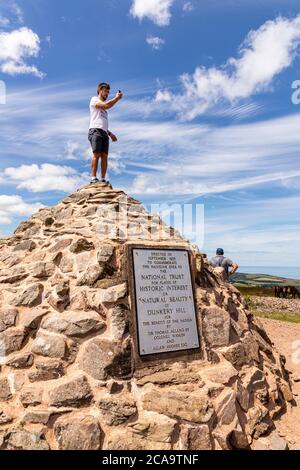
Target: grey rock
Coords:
[(5, 391), (36, 417), (92, 274), (46, 369), (119, 321), (31, 396), (21, 361), (74, 392), (117, 411), (81, 245), (27, 245), (78, 432), (102, 358), (20, 439), (11, 341), (51, 345), (216, 326), (73, 323), (105, 254), (29, 297), (5, 418), (7, 318)]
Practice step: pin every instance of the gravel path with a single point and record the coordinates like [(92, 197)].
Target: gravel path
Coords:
[(271, 304), (286, 337)]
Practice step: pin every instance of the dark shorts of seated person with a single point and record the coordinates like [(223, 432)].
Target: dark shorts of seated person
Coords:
[(99, 140)]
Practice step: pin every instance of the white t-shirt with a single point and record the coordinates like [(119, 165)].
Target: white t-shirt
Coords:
[(99, 117)]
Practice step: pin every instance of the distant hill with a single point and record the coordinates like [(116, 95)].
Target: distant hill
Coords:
[(262, 280)]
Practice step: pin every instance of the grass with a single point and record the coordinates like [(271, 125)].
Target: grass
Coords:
[(258, 291), (288, 317)]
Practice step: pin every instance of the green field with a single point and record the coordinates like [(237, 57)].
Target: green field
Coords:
[(261, 284)]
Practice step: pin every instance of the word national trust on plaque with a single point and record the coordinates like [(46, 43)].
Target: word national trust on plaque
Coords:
[(164, 301)]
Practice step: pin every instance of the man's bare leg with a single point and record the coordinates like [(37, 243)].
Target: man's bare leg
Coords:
[(95, 161), (104, 158)]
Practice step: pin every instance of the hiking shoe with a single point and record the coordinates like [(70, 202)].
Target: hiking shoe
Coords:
[(103, 180), (94, 180)]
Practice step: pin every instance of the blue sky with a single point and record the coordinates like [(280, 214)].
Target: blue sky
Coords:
[(207, 116)]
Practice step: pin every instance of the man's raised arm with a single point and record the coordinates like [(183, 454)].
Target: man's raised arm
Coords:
[(109, 104)]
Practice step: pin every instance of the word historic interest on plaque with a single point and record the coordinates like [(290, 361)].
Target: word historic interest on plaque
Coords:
[(165, 308)]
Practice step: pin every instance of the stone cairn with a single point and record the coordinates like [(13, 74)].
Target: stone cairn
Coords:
[(68, 378)]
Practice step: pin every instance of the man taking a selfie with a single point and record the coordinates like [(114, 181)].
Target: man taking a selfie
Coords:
[(98, 132)]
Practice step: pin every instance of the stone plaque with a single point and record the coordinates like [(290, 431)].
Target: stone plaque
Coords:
[(164, 301)]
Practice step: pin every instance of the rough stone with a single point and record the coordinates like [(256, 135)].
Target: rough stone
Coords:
[(154, 427), (49, 344), (31, 396), (91, 275), (27, 245), (195, 437), (11, 341), (81, 245), (216, 327), (109, 295), (46, 369), (105, 254), (117, 411), (11, 276), (36, 417), (5, 391), (42, 270), (73, 323), (102, 358), (21, 361), (75, 392), (7, 318), (5, 418), (60, 298), (194, 407), (225, 406), (78, 432), (118, 317), (29, 297), (30, 320), (20, 439)]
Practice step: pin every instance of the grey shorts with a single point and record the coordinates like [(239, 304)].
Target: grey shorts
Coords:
[(99, 140)]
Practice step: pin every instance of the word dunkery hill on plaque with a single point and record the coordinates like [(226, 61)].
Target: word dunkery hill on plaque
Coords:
[(164, 301)]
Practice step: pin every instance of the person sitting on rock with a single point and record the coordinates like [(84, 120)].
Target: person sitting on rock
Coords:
[(220, 261), (98, 131)]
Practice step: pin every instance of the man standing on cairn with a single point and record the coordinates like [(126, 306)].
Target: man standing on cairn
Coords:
[(98, 131)]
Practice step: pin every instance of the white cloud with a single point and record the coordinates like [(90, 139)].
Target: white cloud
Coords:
[(46, 177), (264, 54), (155, 42), (15, 48), (14, 206), (158, 11)]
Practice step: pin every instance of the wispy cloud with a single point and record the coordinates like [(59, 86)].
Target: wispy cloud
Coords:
[(155, 42), (188, 7), (265, 53)]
